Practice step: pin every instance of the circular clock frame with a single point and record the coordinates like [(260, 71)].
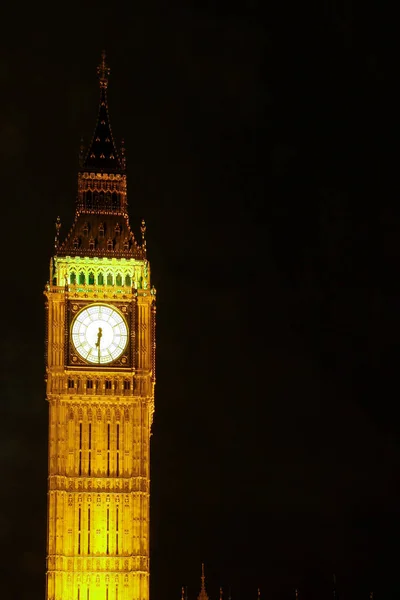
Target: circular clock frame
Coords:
[(99, 334)]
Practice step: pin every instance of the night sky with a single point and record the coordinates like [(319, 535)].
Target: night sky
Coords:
[(261, 152)]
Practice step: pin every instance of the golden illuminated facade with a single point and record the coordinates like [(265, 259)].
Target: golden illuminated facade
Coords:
[(100, 374)]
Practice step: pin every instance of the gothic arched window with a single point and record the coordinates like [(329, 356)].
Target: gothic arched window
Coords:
[(118, 279), (91, 278), (109, 279), (128, 280), (100, 279), (72, 278), (109, 244), (82, 278)]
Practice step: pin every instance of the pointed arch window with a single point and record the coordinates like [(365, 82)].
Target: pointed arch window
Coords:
[(126, 244), (81, 278), (75, 242), (91, 244), (72, 278), (91, 278), (118, 279), (100, 279), (109, 279), (101, 230), (109, 244), (117, 229), (128, 280), (85, 229)]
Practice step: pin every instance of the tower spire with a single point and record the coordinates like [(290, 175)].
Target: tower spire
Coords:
[(203, 594), (102, 154)]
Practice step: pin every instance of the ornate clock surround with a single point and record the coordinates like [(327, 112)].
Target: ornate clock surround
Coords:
[(127, 358)]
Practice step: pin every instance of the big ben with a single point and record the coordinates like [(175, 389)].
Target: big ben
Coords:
[(100, 378)]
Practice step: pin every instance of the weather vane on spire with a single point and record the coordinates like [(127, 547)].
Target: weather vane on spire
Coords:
[(103, 71)]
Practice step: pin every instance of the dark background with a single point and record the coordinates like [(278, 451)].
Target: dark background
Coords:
[(262, 151)]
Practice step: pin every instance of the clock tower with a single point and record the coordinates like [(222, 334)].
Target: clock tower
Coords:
[(100, 377)]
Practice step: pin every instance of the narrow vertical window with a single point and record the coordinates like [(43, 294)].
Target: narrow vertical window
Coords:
[(90, 450), (116, 529), (88, 544), (88, 593), (79, 530), (80, 449), (108, 531), (117, 466), (79, 594), (116, 592), (108, 450), (107, 593)]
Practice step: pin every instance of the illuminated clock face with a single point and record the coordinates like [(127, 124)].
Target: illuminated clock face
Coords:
[(99, 334)]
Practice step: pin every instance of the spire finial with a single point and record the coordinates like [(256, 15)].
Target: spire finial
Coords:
[(203, 579), (123, 157), (203, 594), (143, 231), (57, 237), (103, 71)]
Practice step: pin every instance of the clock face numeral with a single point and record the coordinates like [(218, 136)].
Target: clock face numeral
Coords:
[(99, 334)]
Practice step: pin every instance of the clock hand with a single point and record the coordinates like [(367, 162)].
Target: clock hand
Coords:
[(99, 336)]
